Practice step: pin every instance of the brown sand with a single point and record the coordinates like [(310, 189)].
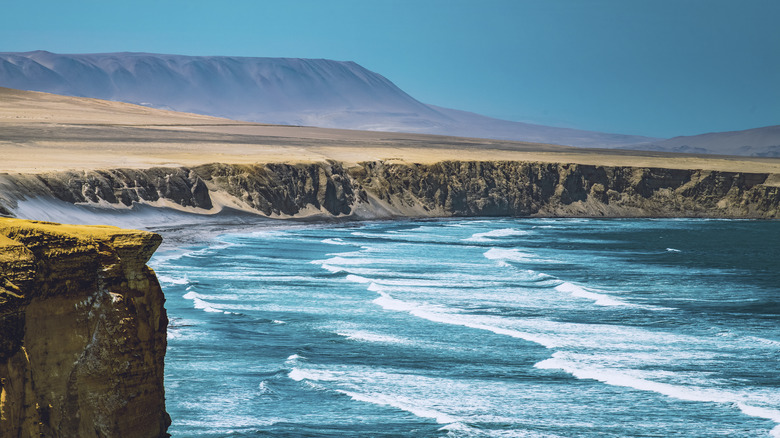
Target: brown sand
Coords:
[(43, 132)]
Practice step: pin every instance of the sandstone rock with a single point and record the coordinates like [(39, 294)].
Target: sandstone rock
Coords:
[(82, 332)]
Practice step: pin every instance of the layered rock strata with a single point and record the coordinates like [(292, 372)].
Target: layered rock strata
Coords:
[(380, 189), (82, 332)]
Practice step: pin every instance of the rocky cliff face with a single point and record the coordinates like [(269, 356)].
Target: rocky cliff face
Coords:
[(570, 190), (389, 189), (82, 332)]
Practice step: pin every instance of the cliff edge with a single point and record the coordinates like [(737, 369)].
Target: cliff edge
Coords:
[(82, 332), (386, 189)]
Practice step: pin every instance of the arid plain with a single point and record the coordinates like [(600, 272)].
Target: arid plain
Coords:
[(42, 132)]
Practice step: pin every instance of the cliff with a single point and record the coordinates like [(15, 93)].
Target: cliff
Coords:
[(83, 332), (383, 189), (512, 188)]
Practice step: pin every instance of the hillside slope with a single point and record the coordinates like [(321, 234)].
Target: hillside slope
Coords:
[(310, 92), (758, 142)]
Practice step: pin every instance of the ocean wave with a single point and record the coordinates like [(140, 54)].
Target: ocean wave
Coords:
[(450, 316), (293, 359), (265, 389), (172, 280), (335, 241), (300, 374), (515, 255), (358, 279), (615, 377), (764, 341), (365, 336), (403, 404), (395, 400), (206, 306), (349, 261), (490, 236), (199, 303), (165, 257), (580, 292)]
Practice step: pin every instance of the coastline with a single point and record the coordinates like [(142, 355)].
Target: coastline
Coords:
[(193, 179)]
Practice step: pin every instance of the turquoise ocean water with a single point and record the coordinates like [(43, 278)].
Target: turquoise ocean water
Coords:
[(472, 328)]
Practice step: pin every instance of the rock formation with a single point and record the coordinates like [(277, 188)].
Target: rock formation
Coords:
[(380, 189), (569, 190), (82, 332)]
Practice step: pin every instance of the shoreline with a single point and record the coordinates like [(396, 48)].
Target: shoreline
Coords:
[(178, 237)]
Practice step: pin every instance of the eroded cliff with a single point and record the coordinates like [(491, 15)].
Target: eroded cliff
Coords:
[(82, 332), (513, 188), (379, 189)]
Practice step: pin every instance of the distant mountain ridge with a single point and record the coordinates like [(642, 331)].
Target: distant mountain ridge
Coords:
[(757, 142), (289, 91)]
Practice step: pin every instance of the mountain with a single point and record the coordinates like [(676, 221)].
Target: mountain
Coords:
[(758, 142), (286, 91)]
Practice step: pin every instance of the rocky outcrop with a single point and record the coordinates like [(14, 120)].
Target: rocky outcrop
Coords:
[(573, 190), (117, 186), (388, 189), (82, 332), (285, 189)]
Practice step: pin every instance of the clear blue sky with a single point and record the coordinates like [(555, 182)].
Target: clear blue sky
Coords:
[(652, 67)]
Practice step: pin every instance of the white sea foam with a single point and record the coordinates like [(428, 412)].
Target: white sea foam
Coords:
[(758, 412), (578, 291), (358, 279), (217, 297), (490, 235), (688, 393), (442, 282), (366, 336), (672, 250), (355, 386), (199, 303), (172, 280), (335, 241), (299, 374), (293, 359), (348, 261), (389, 303), (403, 404), (355, 270), (191, 295), (508, 254), (514, 255), (206, 306), (441, 315), (333, 269), (264, 389)]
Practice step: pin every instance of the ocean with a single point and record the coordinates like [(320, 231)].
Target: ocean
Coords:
[(477, 328)]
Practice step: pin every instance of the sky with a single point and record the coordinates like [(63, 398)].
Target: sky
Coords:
[(659, 68)]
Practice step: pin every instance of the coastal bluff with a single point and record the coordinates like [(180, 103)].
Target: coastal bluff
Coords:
[(387, 189), (82, 332)]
